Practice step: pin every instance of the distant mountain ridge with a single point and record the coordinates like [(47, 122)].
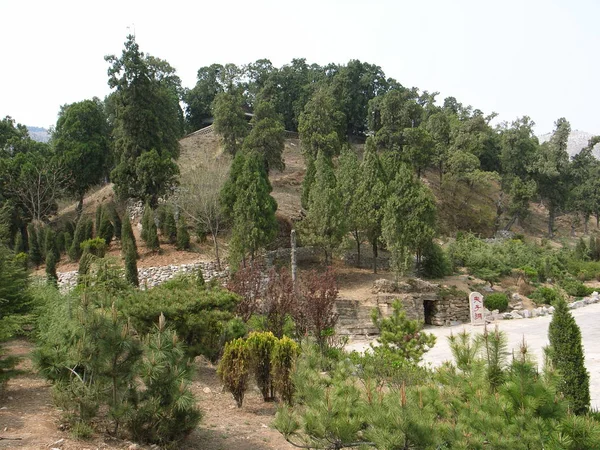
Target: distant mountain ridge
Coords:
[(577, 141), (38, 134)]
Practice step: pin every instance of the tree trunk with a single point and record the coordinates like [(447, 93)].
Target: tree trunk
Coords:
[(550, 222), (216, 244), (293, 255), (79, 207), (375, 256)]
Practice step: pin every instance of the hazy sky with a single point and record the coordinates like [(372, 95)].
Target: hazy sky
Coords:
[(514, 57)]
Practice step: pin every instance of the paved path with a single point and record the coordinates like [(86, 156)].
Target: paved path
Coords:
[(535, 332)]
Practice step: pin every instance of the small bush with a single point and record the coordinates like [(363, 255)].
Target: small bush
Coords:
[(435, 263), (182, 235), (497, 301), (283, 362), (234, 369), (260, 346), (545, 295), (96, 247), (575, 287)]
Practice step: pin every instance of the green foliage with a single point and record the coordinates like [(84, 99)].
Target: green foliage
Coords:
[(324, 223), (129, 252), (147, 124), (149, 231), (166, 410), (434, 263), (19, 243), (96, 247), (51, 274), (409, 219), (254, 223), (106, 230), (35, 252), (575, 287), (182, 234), (283, 363), (230, 120), (495, 301), (260, 347), (78, 237), (234, 369), (267, 136), (566, 353), (81, 140), (198, 315), (402, 341), (168, 227)]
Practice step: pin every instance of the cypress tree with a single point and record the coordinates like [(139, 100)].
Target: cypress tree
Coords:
[(254, 223), (324, 222), (566, 353), (129, 252), (19, 243), (170, 229), (50, 243), (68, 241), (98, 222), (78, 238), (51, 274), (89, 230), (35, 254), (182, 235), (115, 219), (147, 221), (106, 230)]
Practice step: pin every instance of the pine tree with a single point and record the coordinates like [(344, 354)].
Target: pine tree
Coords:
[(106, 230), (409, 219), (19, 243), (371, 197), (166, 411), (68, 241), (35, 253), (50, 243), (78, 237), (267, 137), (229, 192), (324, 223), (254, 223), (98, 221), (89, 230), (149, 231), (51, 274), (182, 235), (170, 228), (115, 219), (230, 120), (129, 252), (347, 174), (566, 353)]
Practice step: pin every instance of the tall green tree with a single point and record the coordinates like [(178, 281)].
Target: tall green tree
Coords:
[(324, 224), (321, 125), (566, 352), (81, 140), (254, 222), (199, 99), (371, 195), (147, 124), (409, 219), (129, 252), (347, 175), (267, 136), (552, 172), (230, 119)]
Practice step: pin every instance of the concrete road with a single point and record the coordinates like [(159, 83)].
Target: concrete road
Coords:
[(535, 333)]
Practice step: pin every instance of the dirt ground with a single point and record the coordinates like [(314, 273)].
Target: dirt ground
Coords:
[(28, 414)]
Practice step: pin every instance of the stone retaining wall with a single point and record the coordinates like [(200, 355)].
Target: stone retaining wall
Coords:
[(153, 276)]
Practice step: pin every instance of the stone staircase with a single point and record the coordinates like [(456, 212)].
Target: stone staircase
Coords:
[(354, 317)]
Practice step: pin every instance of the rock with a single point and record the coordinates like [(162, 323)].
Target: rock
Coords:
[(133, 447), (526, 314), (206, 390), (383, 285), (487, 289), (551, 310), (516, 315), (577, 304), (508, 316), (516, 297)]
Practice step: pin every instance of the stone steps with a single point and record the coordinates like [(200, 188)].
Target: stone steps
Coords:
[(354, 317)]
